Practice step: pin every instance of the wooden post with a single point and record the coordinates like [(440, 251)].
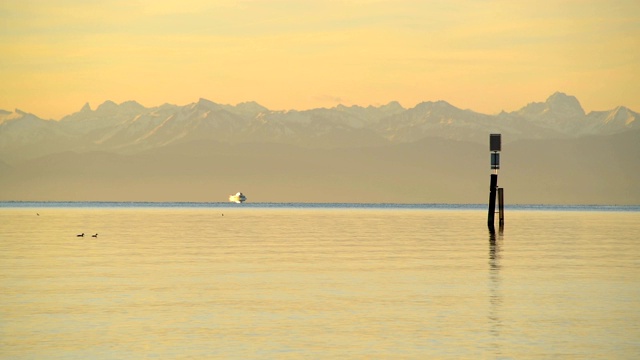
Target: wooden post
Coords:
[(501, 206), (492, 200)]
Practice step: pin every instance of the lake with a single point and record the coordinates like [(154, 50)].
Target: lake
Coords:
[(221, 281)]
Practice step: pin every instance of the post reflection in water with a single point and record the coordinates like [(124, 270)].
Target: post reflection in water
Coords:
[(495, 296)]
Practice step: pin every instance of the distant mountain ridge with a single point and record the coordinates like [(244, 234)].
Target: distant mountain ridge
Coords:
[(553, 153), (130, 127)]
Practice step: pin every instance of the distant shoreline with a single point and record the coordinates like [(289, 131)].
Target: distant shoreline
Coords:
[(290, 205)]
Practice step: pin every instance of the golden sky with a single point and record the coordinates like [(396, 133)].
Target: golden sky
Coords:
[(483, 55)]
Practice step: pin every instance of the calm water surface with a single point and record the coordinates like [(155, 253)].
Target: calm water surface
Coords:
[(289, 283)]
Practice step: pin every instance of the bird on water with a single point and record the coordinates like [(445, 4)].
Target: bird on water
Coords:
[(95, 235), (80, 235)]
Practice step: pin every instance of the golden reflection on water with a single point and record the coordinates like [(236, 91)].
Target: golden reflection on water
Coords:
[(317, 283)]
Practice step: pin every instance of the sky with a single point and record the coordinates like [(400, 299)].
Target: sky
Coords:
[(483, 55)]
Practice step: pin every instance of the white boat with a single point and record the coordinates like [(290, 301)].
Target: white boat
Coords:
[(237, 198)]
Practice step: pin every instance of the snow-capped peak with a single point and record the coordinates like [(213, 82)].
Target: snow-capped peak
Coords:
[(564, 104), (558, 105)]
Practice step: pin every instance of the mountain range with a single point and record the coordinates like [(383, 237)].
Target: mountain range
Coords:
[(553, 152)]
